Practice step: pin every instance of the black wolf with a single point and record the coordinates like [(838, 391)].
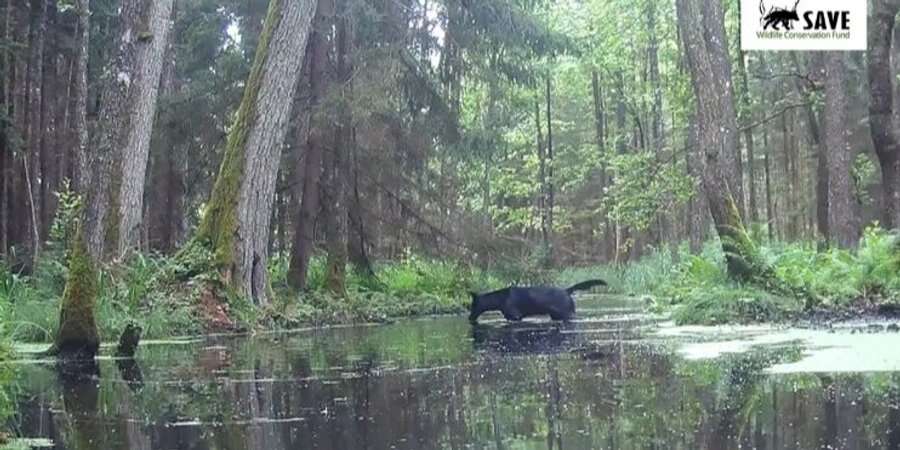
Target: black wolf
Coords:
[(517, 303), (777, 16)]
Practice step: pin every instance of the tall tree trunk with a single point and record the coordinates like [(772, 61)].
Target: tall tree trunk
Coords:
[(885, 136), (152, 38), (236, 220), (842, 217), (787, 209), (703, 34), (55, 148), (816, 72), (6, 149), (35, 125), (621, 147), (662, 225), (542, 178), (791, 178), (80, 94), (600, 136), (550, 188), (770, 211), (77, 335), (18, 207), (305, 222), (746, 118), (335, 163), (357, 234), (304, 232), (166, 200), (114, 127), (698, 211)]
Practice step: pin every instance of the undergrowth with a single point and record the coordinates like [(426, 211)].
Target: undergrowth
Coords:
[(151, 291), (696, 289), (154, 291)]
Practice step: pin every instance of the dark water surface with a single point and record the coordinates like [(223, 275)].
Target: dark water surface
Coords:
[(606, 382)]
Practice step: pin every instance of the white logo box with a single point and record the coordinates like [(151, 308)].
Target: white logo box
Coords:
[(763, 25)]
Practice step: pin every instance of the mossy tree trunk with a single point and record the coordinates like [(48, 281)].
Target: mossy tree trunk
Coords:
[(702, 28), (236, 221), (77, 336)]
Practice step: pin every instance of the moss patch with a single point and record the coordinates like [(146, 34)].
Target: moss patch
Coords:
[(77, 335), (219, 225)]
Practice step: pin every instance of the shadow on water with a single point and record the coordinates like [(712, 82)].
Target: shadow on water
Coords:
[(440, 383)]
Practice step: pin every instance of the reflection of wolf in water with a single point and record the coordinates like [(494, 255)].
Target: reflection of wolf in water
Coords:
[(775, 16), (525, 338)]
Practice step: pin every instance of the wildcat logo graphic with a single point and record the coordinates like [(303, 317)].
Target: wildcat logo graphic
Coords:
[(814, 25), (775, 16)]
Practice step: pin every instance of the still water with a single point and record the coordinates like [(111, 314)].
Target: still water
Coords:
[(611, 380)]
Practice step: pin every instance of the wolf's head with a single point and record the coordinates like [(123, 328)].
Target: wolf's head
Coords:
[(476, 308)]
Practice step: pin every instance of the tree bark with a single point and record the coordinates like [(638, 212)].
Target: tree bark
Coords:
[(542, 178), (5, 147), (699, 209), (167, 226), (152, 37), (35, 125), (77, 336), (885, 135), (600, 136), (112, 132), (842, 217), (746, 118), (703, 35), (770, 209), (335, 164), (80, 94), (357, 235), (236, 220), (21, 24), (816, 70), (304, 233), (549, 180)]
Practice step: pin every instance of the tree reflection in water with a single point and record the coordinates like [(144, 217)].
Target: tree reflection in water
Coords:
[(443, 384)]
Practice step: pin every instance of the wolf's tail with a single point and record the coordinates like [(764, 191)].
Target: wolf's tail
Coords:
[(585, 285)]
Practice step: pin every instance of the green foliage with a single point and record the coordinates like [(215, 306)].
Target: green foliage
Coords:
[(728, 303), (803, 278), (411, 287), (154, 292), (141, 290), (644, 187), (69, 204), (641, 277), (864, 174), (10, 285), (838, 277)]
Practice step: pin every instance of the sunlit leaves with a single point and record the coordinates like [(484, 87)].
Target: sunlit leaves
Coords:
[(645, 187)]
